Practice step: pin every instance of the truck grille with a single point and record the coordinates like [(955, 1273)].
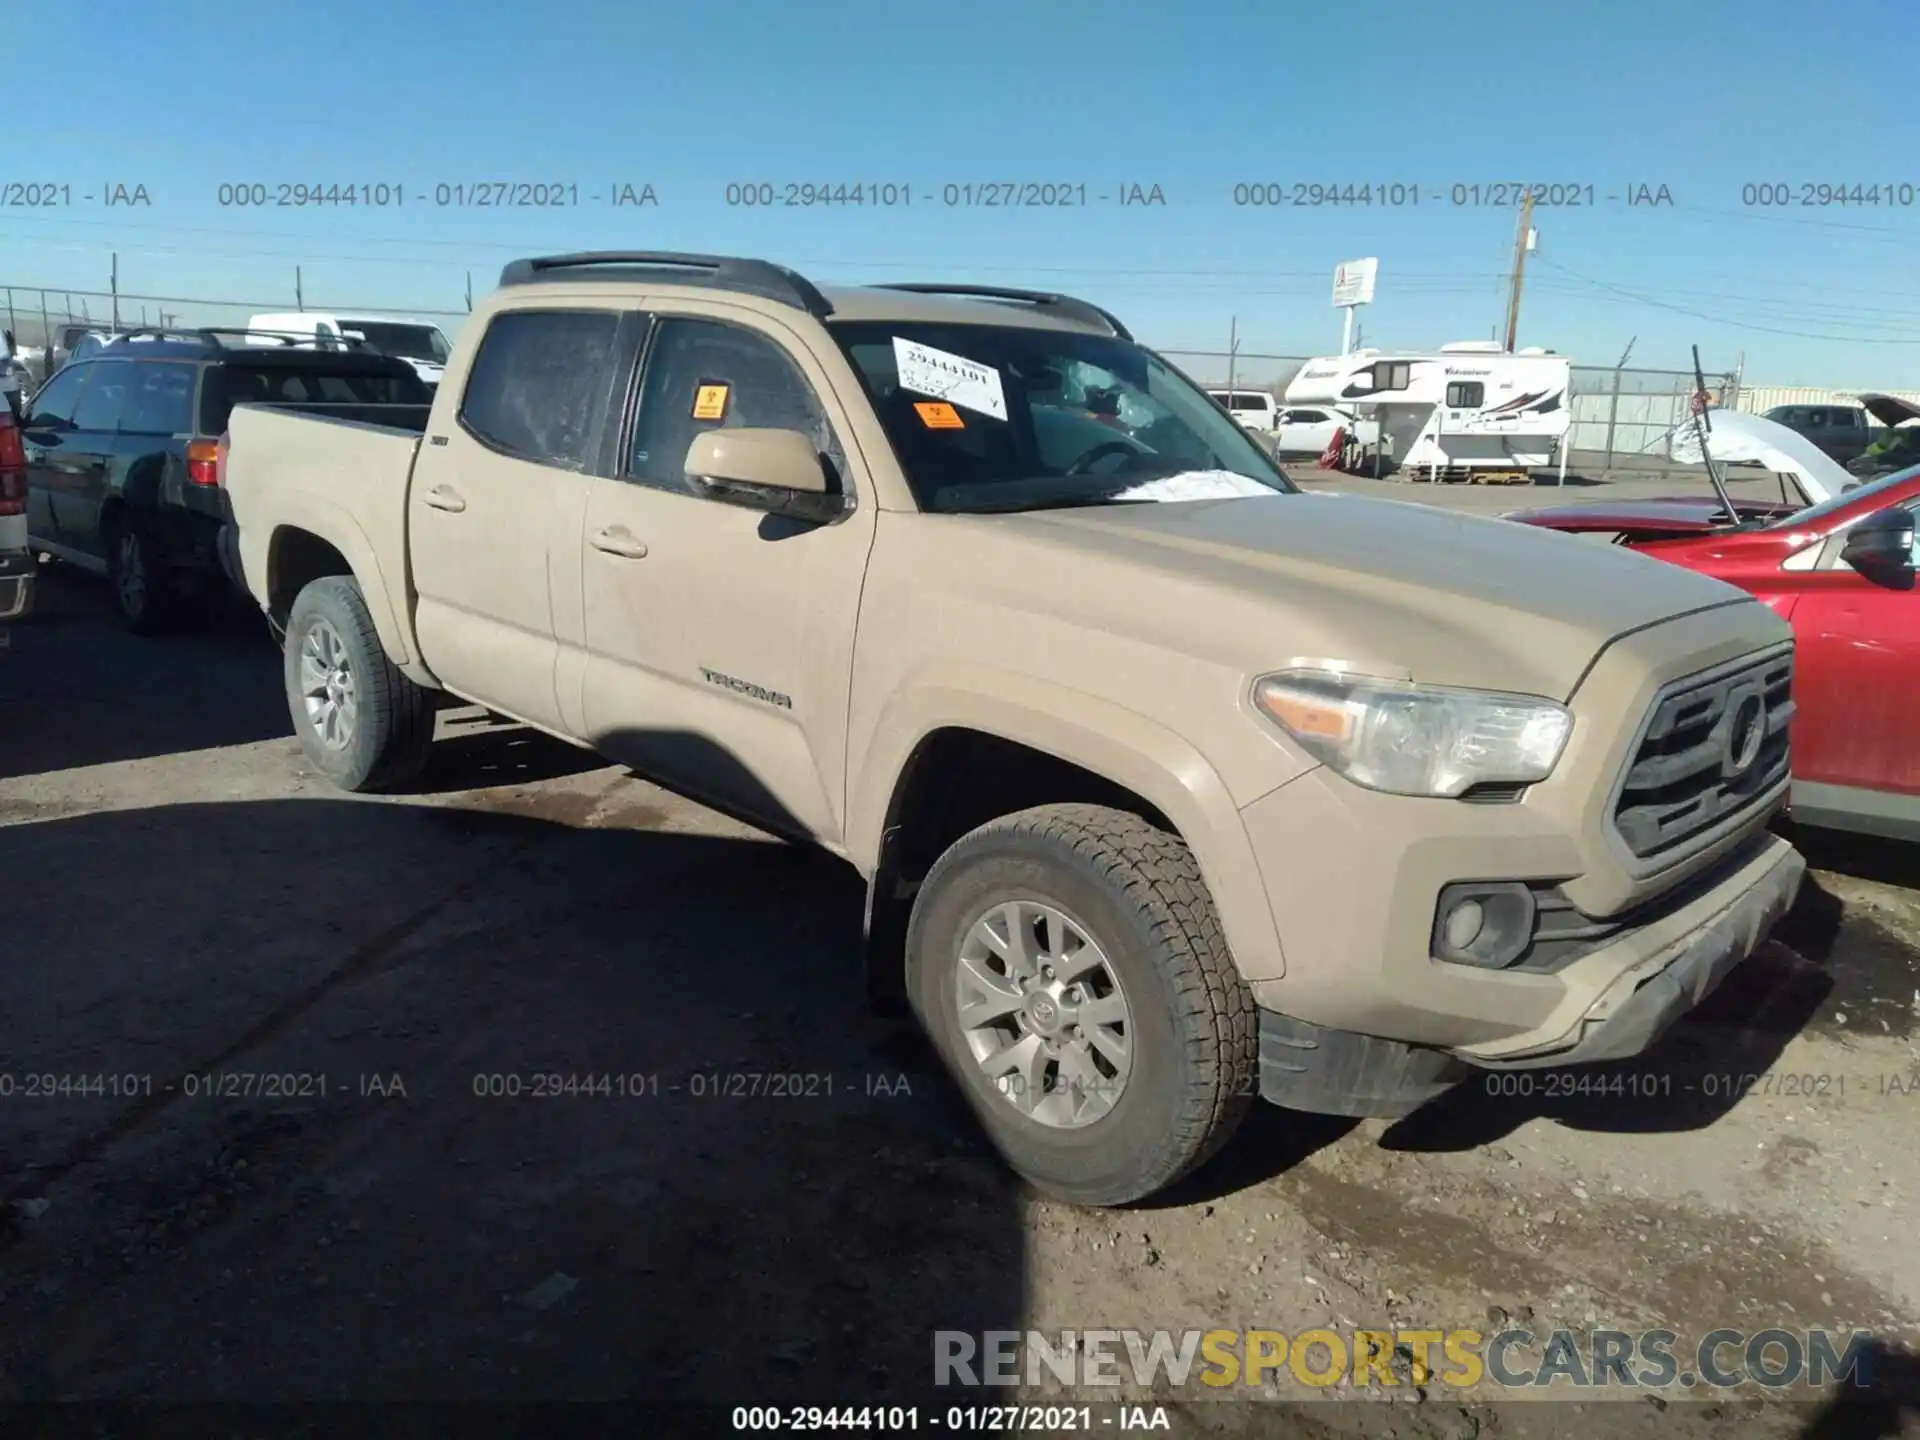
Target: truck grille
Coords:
[(1714, 745)]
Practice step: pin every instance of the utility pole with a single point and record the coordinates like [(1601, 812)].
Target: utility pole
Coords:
[(299, 298), (1233, 347), (469, 292), (116, 292), (1522, 243)]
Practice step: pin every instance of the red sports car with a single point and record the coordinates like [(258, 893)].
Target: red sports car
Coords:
[(1842, 574)]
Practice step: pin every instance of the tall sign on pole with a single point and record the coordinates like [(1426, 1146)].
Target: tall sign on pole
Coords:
[(1352, 287)]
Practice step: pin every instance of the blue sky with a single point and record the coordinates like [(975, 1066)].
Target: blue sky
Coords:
[(1702, 99)]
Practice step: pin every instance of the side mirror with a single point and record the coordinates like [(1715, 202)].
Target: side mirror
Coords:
[(773, 470), (1881, 544)]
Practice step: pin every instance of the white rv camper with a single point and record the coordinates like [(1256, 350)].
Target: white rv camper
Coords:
[(1470, 411)]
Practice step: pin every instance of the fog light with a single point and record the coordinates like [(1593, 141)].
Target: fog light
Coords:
[(1488, 924), (1464, 923)]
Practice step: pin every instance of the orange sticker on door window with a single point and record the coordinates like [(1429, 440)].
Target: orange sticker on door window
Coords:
[(710, 402), (938, 415)]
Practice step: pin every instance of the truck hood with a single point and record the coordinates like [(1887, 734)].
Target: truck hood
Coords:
[(1391, 588)]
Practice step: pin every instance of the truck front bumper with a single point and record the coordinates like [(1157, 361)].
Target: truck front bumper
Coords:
[(1342, 1072), (1367, 1019)]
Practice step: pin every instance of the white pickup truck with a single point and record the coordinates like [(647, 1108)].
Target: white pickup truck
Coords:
[(1172, 786)]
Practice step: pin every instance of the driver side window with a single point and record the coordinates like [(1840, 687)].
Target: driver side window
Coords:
[(53, 407), (705, 375), (1834, 544)]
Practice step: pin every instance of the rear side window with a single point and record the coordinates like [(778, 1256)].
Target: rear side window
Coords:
[(99, 407), (539, 385), (1466, 395), (159, 400), (265, 384)]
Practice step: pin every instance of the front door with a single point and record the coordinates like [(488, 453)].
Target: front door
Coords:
[(495, 506), (63, 463), (720, 638), (1857, 679), (97, 423)]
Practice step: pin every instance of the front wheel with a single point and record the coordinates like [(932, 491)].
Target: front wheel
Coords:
[(1068, 964), (362, 723)]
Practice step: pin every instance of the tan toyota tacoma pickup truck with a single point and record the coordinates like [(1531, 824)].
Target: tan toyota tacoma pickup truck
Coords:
[(1173, 787)]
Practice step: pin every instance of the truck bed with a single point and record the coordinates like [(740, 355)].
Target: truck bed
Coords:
[(410, 418), (340, 471)]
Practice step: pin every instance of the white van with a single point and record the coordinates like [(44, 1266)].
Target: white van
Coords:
[(420, 344), (1255, 409)]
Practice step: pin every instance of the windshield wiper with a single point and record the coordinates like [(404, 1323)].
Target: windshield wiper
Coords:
[(1061, 502)]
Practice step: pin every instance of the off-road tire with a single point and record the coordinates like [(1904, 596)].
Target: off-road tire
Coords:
[(159, 610), (1138, 891), (393, 731)]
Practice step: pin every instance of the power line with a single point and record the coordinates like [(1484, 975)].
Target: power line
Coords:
[(1720, 319)]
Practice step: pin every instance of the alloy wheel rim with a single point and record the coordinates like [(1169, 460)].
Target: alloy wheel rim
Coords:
[(327, 687), (1044, 1014)]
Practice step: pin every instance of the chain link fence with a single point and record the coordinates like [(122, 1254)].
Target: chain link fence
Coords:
[(1620, 417), (37, 317)]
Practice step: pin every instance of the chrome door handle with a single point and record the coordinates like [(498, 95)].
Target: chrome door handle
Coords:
[(618, 540), (443, 497)]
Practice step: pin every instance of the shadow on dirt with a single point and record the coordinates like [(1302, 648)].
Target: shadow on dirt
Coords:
[(77, 690), (413, 1101), (474, 751), (1883, 1403)]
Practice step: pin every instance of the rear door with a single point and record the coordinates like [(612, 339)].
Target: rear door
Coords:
[(496, 505), (150, 458)]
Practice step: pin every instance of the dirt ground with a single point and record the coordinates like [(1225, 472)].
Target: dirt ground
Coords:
[(188, 912)]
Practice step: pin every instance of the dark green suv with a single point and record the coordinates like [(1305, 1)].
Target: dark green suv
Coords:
[(122, 450)]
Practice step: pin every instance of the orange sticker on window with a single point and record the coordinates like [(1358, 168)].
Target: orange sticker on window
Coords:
[(710, 402), (938, 415)]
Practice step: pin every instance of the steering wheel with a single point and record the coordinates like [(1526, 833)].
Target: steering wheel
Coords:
[(1105, 447)]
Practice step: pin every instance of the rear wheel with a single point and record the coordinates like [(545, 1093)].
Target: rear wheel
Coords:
[(143, 595), (1068, 964), (362, 723)]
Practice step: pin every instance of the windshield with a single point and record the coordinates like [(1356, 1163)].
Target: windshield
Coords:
[(993, 418), (409, 342), (1817, 513)]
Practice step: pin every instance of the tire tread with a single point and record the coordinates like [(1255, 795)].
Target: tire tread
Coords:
[(401, 712), (1155, 872)]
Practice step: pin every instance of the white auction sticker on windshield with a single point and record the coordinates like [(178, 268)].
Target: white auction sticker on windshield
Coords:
[(952, 378)]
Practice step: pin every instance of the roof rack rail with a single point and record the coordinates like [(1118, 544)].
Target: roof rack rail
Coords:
[(1044, 299), (726, 272), (210, 335)]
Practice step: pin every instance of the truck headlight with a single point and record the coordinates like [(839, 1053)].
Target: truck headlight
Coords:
[(1415, 739)]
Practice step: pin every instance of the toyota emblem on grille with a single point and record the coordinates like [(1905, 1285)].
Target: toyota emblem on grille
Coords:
[(1746, 731)]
